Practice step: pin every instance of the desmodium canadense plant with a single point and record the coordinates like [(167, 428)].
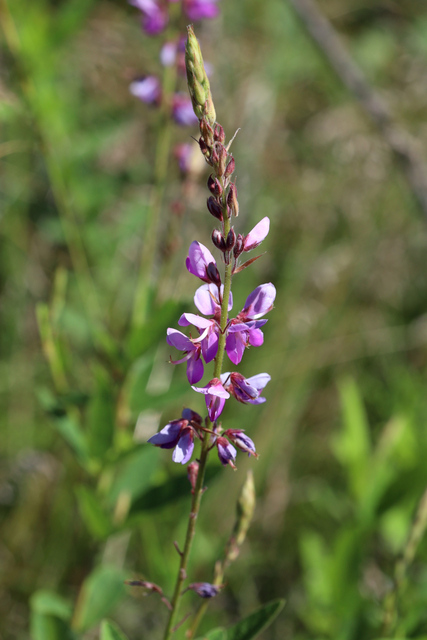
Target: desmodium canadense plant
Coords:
[(217, 335)]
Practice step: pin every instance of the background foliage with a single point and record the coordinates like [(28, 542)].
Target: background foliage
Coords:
[(342, 437)]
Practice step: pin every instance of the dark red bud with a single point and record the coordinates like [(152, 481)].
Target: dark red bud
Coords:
[(238, 247), (231, 239), (214, 208), (203, 146), (215, 157), (192, 472), (218, 240), (207, 132), (232, 199), (213, 274), (214, 186), (219, 135), (219, 158), (229, 168)]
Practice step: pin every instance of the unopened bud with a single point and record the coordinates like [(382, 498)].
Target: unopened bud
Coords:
[(238, 247), (230, 168), (219, 158), (231, 239), (206, 131), (219, 135), (214, 186), (232, 199), (198, 82), (213, 274), (214, 208), (203, 146), (192, 472), (245, 508), (218, 240)]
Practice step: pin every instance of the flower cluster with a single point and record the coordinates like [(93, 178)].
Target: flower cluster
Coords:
[(215, 333), (155, 13)]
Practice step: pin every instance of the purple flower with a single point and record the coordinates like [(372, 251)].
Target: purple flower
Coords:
[(155, 16), (182, 110), (246, 390), (257, 235), (199, 9), (176, 434), (215, 397), (241, 440), (198, 260), (173, 52), (205, 589), (147, 89), (184, 153), (245, 329), (226, 452), (192, 352), (207, 301), (179, 434)]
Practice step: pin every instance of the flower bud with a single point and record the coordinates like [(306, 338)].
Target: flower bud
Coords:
[(219, 135), (232, 199), (192, 472), (238, 247), (203, 146), (218, 240), (214, 186), (207, 132), (214, 208), (219, 158), (213, 274), (230, 168), (231, 239), (198, 82)]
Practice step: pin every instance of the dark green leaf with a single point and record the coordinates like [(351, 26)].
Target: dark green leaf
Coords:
[(50, 603), (101, 591), (95, 519), (251, 626), (215, 634), (110, 631), (101, 416)]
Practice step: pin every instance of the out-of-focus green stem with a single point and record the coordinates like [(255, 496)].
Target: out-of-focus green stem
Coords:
[(151, 239)]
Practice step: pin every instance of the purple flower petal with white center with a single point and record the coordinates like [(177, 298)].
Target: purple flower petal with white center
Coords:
[(147, 89), (200, 9), (198, 259), (209, 333), (168, 437), (241, 440), (205, 589), (259, 302), (226, 452), (246, 390), (182, 110), (185, 446), (207, 301), (192, 352), (257, 235), (215, 397), (155, 16)]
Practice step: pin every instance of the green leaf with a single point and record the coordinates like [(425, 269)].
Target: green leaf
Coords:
[(73, 434), (50, 603), (135, 474), (110, 631), (352, 445), (101, 591), (251, 626), (45, 627), (101, 416), (95, 519), (215, 634)]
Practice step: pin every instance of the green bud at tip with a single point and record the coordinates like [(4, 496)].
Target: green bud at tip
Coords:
[(197, 80)]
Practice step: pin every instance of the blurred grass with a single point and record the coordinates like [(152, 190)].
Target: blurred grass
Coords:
[(346, 253)]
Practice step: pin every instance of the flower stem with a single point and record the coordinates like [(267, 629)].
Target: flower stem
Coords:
[(198, 490)]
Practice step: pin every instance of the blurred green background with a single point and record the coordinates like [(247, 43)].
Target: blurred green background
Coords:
[(342, 438)]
